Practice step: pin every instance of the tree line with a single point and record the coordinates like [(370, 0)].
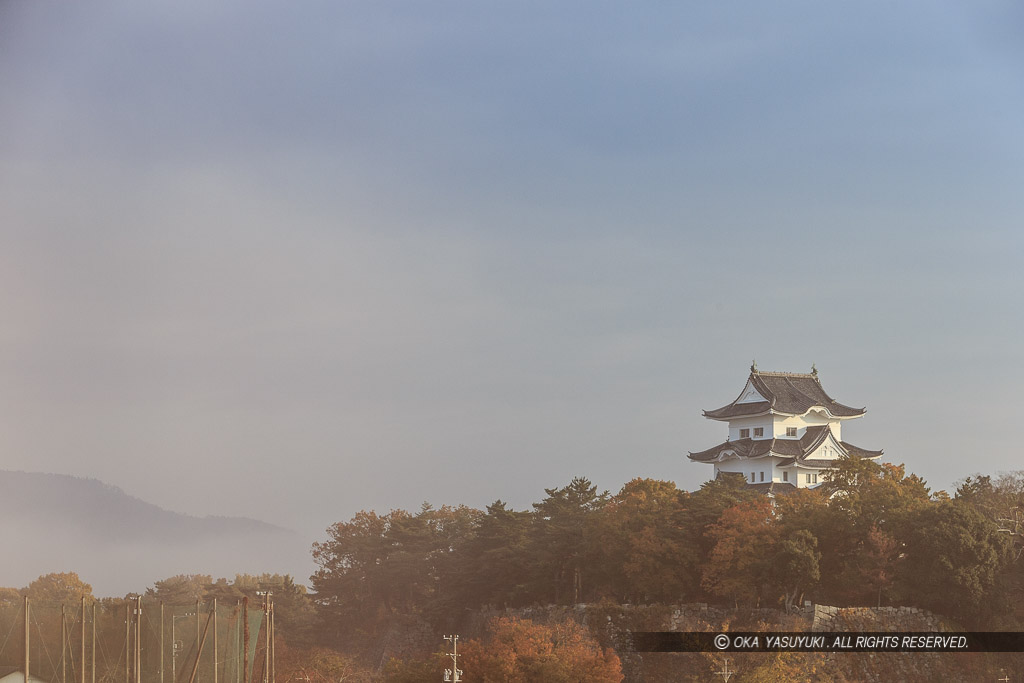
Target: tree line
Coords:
[(871, 534)]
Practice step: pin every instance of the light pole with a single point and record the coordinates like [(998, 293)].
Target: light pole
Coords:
[(268, 628), (454, 674), (725, 672), (176, 645), (133, 647)]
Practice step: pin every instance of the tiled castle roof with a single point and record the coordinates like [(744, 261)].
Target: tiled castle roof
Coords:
[(788, 393), (858, 452), (774, 488), (795, 450)]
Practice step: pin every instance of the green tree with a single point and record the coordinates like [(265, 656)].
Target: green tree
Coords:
[(563, 540), (60, 588), (491, 567), (375, 569), (874, 494), (431, 543), (10, 597), (182, 589), (796, 564), (295, 615), (835, 542), (349, 584), (868, 503), (953, 555), (1002, 502)]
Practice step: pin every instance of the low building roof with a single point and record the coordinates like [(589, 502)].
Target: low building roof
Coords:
[(14, 674), (787, 393)]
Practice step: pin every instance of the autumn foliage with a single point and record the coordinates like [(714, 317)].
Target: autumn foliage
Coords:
[(319, 665), (869, 534), (745, 538), (520, 651)]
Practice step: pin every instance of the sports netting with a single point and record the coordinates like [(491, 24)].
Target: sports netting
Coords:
[(122, 644)]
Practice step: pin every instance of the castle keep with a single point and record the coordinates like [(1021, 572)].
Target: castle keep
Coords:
[(784, 432)]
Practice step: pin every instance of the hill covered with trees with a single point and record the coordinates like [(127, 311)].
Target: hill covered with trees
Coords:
[(871, 534)]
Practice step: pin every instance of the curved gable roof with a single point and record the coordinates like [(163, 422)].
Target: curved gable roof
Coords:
[(796, 451), (788, 393)]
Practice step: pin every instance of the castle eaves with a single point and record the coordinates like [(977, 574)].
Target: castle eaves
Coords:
[(785, 393)]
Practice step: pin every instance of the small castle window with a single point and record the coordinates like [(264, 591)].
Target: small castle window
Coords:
[(790, 431), (808, 475), (758, 431), (762, 476), (744, 433), (785, 476), (752, 480)]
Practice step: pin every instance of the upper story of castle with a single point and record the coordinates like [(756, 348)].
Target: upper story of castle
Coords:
[(782, 405), (784, 430)]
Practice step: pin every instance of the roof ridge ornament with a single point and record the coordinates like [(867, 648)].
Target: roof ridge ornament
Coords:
[(814, 369), (753, 366)]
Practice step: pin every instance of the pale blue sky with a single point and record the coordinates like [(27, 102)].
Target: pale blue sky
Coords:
[(360, 255)]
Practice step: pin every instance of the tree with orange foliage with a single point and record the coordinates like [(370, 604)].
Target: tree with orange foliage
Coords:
[(518, 650), (745, 542), (318, 665), (643, 547)]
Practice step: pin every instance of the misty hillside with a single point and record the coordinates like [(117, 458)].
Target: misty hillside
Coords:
[(119, 543)]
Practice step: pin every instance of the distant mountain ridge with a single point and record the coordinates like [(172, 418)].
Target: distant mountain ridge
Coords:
[(57, 522), (101, 509)]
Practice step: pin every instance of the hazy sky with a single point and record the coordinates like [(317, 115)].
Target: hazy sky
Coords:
[(293, 260)]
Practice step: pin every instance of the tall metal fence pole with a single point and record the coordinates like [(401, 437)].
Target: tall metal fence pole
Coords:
[(215, 640), (81, 677), (27, 650)]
